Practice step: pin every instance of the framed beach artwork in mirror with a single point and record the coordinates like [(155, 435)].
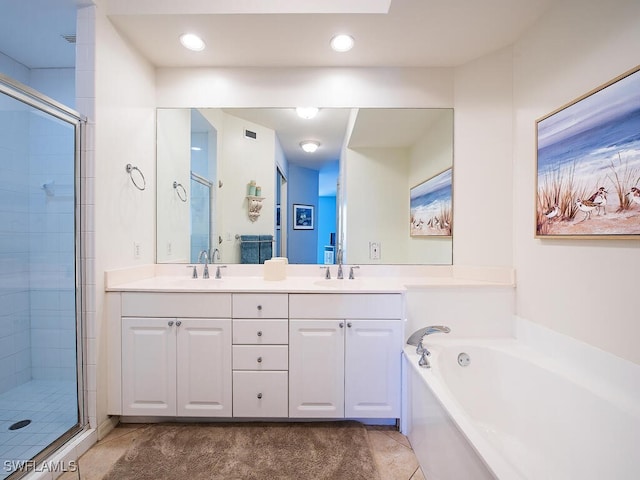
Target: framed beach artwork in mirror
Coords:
[(431, 210), (302, 217), (588, 164)]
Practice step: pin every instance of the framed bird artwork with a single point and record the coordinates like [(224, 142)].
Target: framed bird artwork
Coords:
[(588, 164)]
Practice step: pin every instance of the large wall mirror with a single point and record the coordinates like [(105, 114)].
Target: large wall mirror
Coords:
[(238, 184)]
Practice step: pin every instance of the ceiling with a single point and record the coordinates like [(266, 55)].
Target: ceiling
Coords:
[(277, 33), (412, 32)]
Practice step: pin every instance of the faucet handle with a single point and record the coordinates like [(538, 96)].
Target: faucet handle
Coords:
[(194, 274), (327, 273), (218, 274), (351, 275)]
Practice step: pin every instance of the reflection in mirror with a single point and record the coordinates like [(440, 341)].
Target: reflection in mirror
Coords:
[(186, 173), (358, 184)]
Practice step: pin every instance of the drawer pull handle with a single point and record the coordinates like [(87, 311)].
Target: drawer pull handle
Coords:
[(178, 323), (170, 323), (259, 395), (259, 359), (341, 324), (259, 333), (259, 307), (349, 324)]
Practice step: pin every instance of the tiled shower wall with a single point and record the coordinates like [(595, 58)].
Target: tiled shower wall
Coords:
[(15, 341), (37, 277), (51, 226)]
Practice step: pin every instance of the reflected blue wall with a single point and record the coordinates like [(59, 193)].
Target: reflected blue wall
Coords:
[(326, 224), (302, 245)]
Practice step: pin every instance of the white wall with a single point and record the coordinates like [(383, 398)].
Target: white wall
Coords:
[(483, 157), (323, 87), (587, 289), (116, 90)]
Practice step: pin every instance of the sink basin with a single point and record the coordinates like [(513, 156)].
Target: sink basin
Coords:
[(336, 283)]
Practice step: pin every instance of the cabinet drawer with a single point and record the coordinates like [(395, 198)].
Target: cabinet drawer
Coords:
[(261, 332), (260, 357), (260, 394), (260, 305), (346, 305), (184, 304)]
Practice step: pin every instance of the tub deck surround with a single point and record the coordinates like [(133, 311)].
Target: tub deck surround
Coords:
[(516, 412)]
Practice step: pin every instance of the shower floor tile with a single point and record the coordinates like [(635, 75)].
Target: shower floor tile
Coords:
[(52, 408)]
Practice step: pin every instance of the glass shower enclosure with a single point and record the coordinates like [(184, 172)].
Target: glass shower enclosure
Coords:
[(40, 347)]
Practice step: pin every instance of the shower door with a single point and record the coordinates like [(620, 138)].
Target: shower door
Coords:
[(40, 348)]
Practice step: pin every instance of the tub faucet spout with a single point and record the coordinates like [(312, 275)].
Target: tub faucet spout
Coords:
[(417, 339)]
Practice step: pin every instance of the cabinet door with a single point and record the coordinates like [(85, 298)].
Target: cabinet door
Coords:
[(372, 368), (203, 367), (149, 366), (316, 368)]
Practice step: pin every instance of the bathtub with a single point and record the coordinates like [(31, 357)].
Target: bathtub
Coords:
[(514, 414)]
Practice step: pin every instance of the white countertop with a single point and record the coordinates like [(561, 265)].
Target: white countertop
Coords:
[(161, 279)]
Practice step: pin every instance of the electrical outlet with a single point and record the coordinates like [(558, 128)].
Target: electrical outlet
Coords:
[(374, 250), (137, 250)]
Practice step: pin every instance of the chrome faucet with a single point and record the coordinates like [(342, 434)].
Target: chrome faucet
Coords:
[(205, 272), (340, 274), (218, 273), (351, 275), (327, 273), (417, 338), (215, 255)]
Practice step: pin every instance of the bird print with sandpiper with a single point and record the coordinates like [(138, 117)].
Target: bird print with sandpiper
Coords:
[(588, 164)]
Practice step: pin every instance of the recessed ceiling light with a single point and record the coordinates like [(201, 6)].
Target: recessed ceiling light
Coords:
[(309, 146), (307, 112), (192, 42), (196, 149), (342, 43)]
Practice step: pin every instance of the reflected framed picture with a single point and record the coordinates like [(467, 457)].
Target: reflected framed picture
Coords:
[(588, 164), (431, 209), (302, 217)]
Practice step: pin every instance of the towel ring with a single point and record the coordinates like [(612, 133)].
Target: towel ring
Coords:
[(130, 168), (182, 196)]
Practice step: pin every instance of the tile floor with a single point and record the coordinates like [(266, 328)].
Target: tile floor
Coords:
[(391, 450), (51, 406)]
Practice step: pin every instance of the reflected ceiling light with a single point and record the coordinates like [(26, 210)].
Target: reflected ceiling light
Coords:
[(309, 146), (342, 43), (192, 42), (307, 112), (196, 149)]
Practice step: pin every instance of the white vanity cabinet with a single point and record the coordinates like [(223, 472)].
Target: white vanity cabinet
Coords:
[(176, 355), (260, 355), (345, 355)]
